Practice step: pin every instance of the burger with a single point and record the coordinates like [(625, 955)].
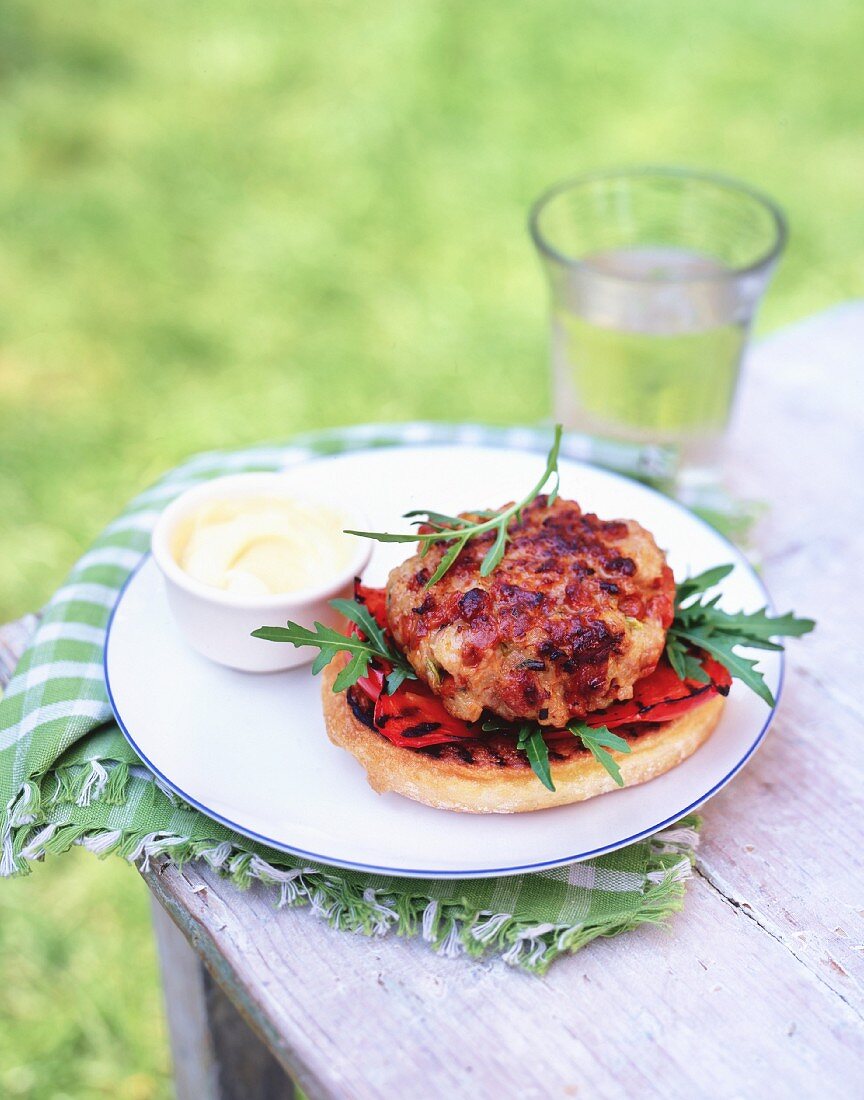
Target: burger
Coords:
[(529, 656), (567, 631)]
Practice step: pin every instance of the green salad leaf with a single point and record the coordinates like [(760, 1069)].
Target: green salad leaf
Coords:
[(360, 652), (530, 741), (699, 624), (598, 740)]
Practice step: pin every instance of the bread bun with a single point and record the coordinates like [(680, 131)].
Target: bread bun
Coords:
[(448, 781)]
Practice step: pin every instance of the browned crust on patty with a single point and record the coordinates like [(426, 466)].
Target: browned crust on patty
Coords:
[(573, 616), (447, 782)]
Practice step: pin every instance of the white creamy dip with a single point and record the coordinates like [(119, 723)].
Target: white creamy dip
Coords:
[(263, 545)]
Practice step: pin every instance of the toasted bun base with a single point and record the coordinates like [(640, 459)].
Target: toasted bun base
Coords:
[(470, 788)]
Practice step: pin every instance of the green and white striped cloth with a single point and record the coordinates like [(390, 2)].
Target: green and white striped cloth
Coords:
[(67, 775)]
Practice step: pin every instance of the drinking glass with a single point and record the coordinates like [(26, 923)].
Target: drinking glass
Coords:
[(655, 275)]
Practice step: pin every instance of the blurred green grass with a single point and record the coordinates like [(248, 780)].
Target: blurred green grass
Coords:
[(225, 222), (80, 1006)]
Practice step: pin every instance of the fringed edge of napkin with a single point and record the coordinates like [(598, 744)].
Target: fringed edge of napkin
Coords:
[(451, 928)]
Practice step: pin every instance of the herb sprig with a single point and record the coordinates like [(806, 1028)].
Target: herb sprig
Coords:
[(699, 624), (330, 642), (598, 740), (459, 531), (530, 740)]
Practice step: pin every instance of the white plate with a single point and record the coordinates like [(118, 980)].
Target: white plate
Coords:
[(251, 751)]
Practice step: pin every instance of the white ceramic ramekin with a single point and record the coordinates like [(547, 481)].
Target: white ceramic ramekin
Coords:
[(219, 624)]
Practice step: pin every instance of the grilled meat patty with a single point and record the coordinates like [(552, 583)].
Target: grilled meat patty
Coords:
[(573, 616)]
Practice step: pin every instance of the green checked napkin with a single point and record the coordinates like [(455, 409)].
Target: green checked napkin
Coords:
[(68, 776)]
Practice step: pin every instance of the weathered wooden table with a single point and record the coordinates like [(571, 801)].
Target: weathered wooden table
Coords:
[(757, 988)]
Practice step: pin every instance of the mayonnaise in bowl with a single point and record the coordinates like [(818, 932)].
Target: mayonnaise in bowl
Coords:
[(249, 550), (265, 545)]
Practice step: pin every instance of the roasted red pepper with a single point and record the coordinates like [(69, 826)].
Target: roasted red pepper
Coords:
[(414, 717), (663, 696), (375, 601)]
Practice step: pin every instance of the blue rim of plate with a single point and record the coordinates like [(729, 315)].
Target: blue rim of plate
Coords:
[(491, 872)]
